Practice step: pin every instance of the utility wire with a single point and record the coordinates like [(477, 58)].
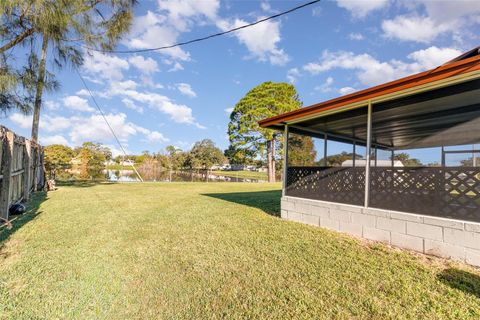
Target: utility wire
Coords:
[(106, 121), (209, 36)]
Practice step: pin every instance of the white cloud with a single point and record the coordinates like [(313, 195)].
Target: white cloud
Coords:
[(53, 139), (356, 36), (94, 128), (420, 29), (131, 105), (360, 8), (261, 40), (47, 123), (77, 103), (155, 136), (228, 110), (146, 66), (186, 90), (326, 86), (346, 90), (371, 71), (82, 92), (105, 66), (438, 18), (293, 74), (177, 112), (52, 105), (433, 56), (164, 27), (177, 66)]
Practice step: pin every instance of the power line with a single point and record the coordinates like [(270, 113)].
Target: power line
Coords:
[(209, 36), (106, 121)]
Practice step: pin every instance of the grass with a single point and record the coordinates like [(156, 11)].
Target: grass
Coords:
[(242, 174), (209, 251)]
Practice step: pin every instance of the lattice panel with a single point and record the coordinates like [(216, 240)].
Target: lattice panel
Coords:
[(445, 192), (336, 184)]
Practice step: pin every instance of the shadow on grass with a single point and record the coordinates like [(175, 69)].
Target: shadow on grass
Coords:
[(21, 220), (462, 280), (81, 183), (268, 201)]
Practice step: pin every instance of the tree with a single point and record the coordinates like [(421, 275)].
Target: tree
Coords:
[(301, 150), (92, 158), (59, 25), (57, 155), (337, 159), (205, 154), (238, 156), (266, 100), (406, 160)]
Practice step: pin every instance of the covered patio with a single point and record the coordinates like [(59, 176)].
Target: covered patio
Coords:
[(439, 108)]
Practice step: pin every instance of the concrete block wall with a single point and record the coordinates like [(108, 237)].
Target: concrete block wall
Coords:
[(447, 238)]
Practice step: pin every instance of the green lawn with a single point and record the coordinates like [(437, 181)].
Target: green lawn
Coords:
[(242, 174), (209, 251)]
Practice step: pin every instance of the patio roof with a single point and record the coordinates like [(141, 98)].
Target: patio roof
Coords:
[(432, 108)]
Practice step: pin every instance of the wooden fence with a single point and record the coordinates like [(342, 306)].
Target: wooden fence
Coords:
[(21, 169)]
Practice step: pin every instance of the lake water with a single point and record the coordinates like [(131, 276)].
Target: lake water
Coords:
[(172, 176)]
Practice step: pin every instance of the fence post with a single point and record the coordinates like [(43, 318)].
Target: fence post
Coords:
[(27, 166), (35, 167), (7, 154)]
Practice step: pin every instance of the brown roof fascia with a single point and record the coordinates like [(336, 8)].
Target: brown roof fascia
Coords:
[(422, 78)]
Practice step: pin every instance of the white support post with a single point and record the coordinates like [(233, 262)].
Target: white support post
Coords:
[(354, 153), (325, 141), (367, 156), (285, 159)]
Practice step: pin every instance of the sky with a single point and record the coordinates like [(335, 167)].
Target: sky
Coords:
[(182, 95)]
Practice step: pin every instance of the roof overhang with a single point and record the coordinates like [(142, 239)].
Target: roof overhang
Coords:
[(452, 73)]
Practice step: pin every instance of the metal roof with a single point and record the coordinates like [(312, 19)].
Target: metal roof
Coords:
[(463, 68)]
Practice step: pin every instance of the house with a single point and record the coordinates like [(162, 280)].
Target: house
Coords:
[(127, 162), (433, 210), (373, 163)]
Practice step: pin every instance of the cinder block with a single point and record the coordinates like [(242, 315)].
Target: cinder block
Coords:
[(444, 250), (340, 215), (462, 238), (311, 220), (376, 234), (425, 231), (330, 224), (407, 242), (303, 208), (363, 219), (391, 224), (350, 208), (472, 226), (472, 257), (406, 217), (284, 214), (294, 216), (320, 212), (376, 212), (351, 228), (443, 222), (287, 205)]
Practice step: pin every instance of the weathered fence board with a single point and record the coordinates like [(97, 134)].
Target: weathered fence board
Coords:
[(21, 169)]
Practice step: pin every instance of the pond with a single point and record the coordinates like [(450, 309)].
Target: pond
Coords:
[(150, 174), (172, 176)]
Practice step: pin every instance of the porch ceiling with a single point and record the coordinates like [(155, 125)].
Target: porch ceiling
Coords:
[(445, 116)]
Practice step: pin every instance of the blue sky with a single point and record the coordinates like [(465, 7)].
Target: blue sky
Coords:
[(182, 95)]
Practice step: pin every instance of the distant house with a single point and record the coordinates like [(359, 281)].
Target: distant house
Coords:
[(127, 162), (109, 163), (379, 163)]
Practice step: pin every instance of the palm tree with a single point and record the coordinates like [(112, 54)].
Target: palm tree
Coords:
[(61, 26)]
